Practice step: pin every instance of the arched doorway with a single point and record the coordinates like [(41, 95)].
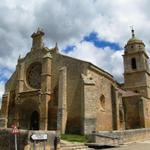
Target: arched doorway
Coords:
[(34, 121)]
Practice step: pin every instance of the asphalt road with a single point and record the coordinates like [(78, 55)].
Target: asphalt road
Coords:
[(144, 145)]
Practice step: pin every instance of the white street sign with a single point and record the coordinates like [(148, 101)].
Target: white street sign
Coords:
[(39, 136)]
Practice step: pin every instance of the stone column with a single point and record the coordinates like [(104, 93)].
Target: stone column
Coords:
[(20, 73), (19, 88), (117, 109), (114, 108), (16, 117), (4, 111), (142, 113), (45, 90), (120, 112), (62, 101), (89, 118)]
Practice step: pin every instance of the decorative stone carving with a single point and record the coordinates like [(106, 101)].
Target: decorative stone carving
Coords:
[(88, 79)]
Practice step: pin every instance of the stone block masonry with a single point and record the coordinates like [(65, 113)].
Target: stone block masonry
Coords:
[(24, 140), (119, 137)]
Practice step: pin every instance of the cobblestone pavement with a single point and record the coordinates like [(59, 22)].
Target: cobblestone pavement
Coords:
[(134, 146)]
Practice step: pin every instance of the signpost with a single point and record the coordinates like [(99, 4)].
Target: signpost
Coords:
[(38, 137), (15, 131)]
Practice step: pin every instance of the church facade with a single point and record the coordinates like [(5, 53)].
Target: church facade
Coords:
[(51, 91)]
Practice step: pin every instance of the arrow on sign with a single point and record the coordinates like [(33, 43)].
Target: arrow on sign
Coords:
[(39, 136)]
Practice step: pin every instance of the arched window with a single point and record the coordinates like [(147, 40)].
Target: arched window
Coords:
[(102, 101), (132, 46), (133, 63)]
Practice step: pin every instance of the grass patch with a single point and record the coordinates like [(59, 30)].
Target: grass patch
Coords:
[(74, 138)]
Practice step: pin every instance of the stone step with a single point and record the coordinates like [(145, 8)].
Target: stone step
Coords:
[(66, 145), (70, 145), (75, 147)]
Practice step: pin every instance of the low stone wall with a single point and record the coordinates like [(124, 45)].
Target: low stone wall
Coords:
[(2, 122), (119, 137), (24, 142), (7, 139)]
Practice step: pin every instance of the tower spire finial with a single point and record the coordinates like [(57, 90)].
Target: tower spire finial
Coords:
[(132, 31), (56, 45), (39, 29)]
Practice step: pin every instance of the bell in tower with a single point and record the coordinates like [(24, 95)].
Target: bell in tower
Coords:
[(136, 70)]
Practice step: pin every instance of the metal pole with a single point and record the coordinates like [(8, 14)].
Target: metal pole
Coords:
[(15, 141), (44, 145), (34, 145)]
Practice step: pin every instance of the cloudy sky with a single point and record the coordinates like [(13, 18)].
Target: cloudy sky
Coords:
[(91, 30)]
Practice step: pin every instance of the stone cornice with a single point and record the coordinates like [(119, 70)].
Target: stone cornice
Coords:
[(133, 53), (29, 93), (103, 73), (136, 71)]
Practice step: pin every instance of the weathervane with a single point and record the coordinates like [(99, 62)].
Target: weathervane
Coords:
[(56, 45), (39, 29), (132, 31)]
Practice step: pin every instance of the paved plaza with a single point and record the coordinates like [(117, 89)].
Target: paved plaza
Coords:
[(143, 145)]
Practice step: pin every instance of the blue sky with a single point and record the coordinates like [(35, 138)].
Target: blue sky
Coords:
[(93, 37), (5, 74)]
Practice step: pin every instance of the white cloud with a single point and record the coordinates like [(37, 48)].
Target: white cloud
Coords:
[(106, 58), (66, 22), (1, 91)]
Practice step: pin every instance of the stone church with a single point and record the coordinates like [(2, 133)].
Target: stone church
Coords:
[(51, 91)]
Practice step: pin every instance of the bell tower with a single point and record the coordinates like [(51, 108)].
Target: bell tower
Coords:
[(136, 69), (37, 42)]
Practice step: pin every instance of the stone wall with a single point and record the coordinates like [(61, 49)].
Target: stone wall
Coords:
[(84, 100), (74, 93), (148, 83), (7, 140), (133, 108), (120, 137), (146, 112), (24, 141), (97, 101)]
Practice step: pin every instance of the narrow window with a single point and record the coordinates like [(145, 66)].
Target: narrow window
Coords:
[(133, 63), (121, 116), (102, 101)]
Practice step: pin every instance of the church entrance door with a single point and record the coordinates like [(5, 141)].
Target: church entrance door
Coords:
[(34, 123)]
